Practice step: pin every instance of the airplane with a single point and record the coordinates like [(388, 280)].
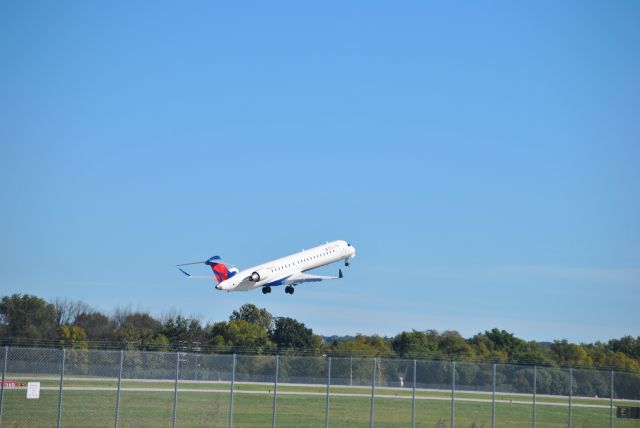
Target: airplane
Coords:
[(288, 271)]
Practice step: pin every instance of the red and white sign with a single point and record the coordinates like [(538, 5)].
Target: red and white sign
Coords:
[(12, 384)]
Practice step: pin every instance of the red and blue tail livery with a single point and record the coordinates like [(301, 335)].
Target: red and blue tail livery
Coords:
[(221, 270)]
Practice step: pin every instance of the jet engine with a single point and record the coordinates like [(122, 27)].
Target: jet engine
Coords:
[(259, 275)]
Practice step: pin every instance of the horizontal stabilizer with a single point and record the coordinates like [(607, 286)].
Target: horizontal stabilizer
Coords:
[(189, 276), (192, 263)]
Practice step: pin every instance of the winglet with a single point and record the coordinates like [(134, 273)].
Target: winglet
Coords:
[(339, 273), (186, 274)]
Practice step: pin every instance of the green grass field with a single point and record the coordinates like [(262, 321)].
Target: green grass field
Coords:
[(92, 403)]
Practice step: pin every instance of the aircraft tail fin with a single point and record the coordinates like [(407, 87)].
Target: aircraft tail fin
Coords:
[(221, 269)]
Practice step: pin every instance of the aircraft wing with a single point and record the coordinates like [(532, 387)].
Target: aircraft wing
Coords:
[(300, 278)]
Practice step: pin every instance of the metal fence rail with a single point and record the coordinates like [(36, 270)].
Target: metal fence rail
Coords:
[(135, 388)]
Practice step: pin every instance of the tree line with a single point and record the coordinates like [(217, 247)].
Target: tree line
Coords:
[(27, 320)]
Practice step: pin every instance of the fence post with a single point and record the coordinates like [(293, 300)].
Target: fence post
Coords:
[(373, 391), (351, 371), (535, 387), (413, 403), (453, 395), (233, 381), (326, 414), (175, 389), (570, 394), (4, 370), (611, 402), (118, 391), (275, 393), (61, 387), (493, 398)]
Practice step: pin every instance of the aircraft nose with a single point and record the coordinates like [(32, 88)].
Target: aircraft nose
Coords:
[(218, 287)]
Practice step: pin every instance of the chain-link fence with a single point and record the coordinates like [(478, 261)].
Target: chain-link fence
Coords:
[(80, 388)]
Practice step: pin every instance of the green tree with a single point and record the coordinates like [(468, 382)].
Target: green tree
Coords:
[(253, 314), (26, 316), (532, 353), (197, 334), (451, 343), (504, 346), (98, 326), (627, 345), (414, 344), (240, 336), (362, 345), (185, 332), (158, 342), (177, 329), (502, 340), (621, 361), (289, 333), (139, 330), (72, 337), (571, 354), (486, 349)]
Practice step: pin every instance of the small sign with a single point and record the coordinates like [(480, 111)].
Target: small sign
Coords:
[(33, 390), (627, 412), (9, 384)]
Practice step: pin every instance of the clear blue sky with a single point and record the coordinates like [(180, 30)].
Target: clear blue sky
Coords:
[(483, 157)]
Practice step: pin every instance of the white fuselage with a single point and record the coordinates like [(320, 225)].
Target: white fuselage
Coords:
[(273, 273)]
